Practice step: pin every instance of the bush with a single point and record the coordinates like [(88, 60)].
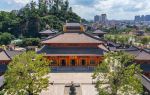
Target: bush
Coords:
[(30, 42), (5, 38)]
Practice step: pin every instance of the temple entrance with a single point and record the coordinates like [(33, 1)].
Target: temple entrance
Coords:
[(83, 62), (63, 62), (73, 62)]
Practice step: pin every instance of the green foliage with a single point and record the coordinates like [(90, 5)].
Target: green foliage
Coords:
[(145, 40), (115, 30), (9, 22), (147, 30), (127, 39), (26, 75), (31, 19), (118, 38), (51, 20), (29, 42), (5, 38), (116, 75)]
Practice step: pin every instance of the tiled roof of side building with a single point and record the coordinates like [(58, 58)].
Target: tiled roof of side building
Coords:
[(134, 52), (75, 37), (71, 51), (143, 55), (99, 32), (48, 32), (112, 44), (4, 56), (13, 53)]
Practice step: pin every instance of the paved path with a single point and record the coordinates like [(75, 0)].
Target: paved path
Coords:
[(60, 79)]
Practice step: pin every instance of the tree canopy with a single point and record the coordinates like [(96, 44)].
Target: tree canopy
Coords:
[(29, 42), (34, 17), (26, 75), (116, 75), (5, 38)]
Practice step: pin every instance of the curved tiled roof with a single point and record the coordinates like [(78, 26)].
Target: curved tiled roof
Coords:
[(71, 51), (99, 32), (4, 56), (73, 37), (13, 53), (48, 32), (143, 55)]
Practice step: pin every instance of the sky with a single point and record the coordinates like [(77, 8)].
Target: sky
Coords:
[(115, 9)]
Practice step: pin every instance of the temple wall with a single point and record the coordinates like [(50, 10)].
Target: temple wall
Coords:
[(142, 61), (5, 62), (75, 61)]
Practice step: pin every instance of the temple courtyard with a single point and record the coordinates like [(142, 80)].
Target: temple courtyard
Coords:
[(58, 81)]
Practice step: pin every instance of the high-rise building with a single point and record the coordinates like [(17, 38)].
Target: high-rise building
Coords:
[(104, 18), (137, 18), (147, 18), (142, 18), (101, 18), (97, 18)]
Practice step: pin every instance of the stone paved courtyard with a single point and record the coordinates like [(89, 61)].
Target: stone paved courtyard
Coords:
[(61, 79)]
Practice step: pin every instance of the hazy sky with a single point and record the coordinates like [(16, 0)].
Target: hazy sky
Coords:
[(115, 9)]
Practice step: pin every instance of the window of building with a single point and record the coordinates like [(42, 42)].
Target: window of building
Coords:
[(92, 62), (63, 62), (73, 62), (83, 62)]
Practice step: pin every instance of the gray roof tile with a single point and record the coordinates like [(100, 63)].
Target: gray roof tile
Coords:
[(69, 37), (143, 55), (71, 51), (13, 53), (4, 56)]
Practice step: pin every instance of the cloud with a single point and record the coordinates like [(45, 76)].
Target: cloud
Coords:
[(115, 9), (84, 2), (22, 2), (84, 11), (122, 5), (8, 5)]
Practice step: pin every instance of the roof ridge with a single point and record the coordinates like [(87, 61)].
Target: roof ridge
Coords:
[(52, 36), (94, 37)]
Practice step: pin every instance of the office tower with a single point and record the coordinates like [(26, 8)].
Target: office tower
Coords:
[(103, 18), (97, 18)]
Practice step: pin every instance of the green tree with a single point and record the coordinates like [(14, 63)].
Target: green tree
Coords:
[(29, 42), (117, 76), (5, 38), (147, 30), (32, 18), (26, 74), (145, 40), (43, 7)]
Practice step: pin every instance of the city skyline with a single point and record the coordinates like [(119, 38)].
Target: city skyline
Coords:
[(118, 10)]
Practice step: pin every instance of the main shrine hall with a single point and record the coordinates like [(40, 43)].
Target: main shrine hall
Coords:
[(73, 47)]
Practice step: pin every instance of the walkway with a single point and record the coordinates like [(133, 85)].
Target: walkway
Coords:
[(61, 79)]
